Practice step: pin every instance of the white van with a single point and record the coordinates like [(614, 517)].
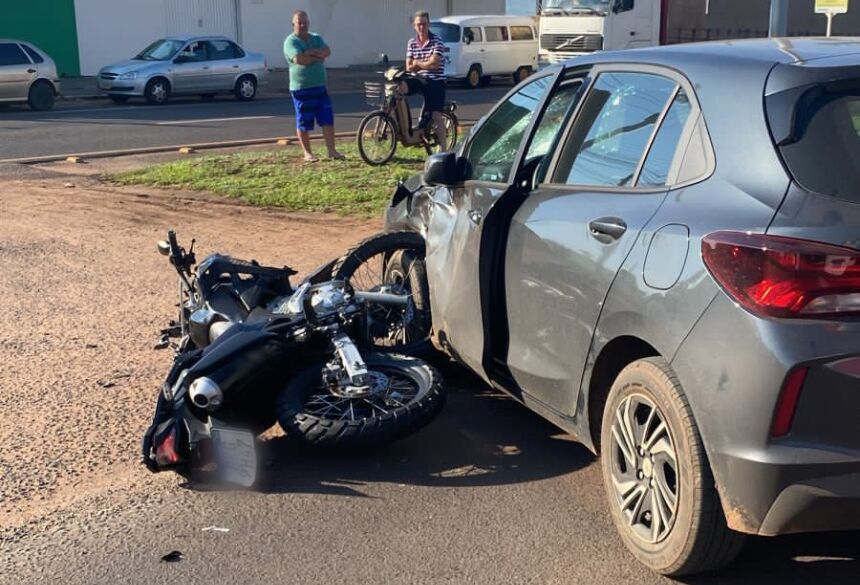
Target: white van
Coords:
[(481, 46)]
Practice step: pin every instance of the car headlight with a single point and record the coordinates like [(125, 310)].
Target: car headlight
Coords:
[(129, 75)]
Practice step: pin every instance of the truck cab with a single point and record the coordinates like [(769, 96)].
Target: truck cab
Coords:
[(569, 28)]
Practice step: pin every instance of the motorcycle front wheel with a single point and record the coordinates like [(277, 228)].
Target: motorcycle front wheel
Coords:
[(394, 263), (377, 138), (405, 394)]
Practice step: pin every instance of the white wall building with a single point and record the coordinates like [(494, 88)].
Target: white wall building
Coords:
[(356, 30)]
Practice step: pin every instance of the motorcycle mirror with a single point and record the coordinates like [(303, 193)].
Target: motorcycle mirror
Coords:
[(163, 248)]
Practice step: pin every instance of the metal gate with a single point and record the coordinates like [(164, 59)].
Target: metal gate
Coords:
[(202, 17)]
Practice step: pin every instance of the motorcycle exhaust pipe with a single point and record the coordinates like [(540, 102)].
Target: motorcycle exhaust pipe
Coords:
[(205, 393), (379, 298)]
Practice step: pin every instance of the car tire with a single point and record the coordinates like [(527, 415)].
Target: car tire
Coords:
[(157, 91), (246, 88), (658, 481), (41, 96), (521, 73), (119, 99), (474, 76)]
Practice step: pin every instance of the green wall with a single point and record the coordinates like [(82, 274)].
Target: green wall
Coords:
[(48, 24)]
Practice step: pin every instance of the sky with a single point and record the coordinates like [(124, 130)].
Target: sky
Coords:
[(520, 7)]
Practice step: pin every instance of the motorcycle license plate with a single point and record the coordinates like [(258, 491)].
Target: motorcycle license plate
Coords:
[(235, 456)]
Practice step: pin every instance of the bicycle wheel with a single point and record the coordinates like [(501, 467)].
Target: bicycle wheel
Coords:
[(377, 138)]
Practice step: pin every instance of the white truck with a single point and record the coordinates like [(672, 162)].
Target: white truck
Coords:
[(573, 27)]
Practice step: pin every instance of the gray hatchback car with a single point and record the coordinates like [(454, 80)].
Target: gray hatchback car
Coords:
[(185, 65), (27, 74), (659, 251)]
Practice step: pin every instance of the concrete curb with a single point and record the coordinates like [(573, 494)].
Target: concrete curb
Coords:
[(83, 156)]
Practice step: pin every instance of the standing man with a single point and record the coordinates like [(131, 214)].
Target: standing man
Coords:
[(305, 53), (425, 57)]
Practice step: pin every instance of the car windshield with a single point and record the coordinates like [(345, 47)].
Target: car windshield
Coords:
[(449, 33), (160, 50), (574, 6), (824, 157)]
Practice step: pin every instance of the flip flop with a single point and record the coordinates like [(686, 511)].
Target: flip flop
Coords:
[(311, 159), (337, 156)]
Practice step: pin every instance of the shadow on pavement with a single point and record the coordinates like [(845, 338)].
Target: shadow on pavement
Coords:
[(804, 559), (481, 438)]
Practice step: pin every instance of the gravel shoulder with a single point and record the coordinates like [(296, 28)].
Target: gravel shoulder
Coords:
[(84, 296)]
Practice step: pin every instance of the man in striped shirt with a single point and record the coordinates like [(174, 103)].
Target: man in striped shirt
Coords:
[(425, 58)]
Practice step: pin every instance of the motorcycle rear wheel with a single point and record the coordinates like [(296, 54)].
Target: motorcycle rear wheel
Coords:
[(408, 398), (393, 262)]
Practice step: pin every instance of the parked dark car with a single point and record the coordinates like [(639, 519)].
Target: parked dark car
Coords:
[(658, 250), (185, 65), (27, 74)]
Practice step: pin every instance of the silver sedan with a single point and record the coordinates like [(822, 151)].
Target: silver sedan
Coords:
[(203, 66)]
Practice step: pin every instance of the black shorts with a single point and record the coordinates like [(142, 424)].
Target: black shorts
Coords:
[(432, 89)]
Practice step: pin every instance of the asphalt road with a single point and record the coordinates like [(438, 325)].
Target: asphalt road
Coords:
[(488, 493), (94, 126)]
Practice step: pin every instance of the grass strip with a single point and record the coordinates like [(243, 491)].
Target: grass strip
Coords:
[(281, 178)]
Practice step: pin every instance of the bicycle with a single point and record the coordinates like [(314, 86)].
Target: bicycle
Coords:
[(380, 131)]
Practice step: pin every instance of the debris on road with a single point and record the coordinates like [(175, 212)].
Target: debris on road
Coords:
[(173, 556)]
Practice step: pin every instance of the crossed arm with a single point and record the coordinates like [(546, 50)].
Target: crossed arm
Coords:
[(312, 56), (415, 65)]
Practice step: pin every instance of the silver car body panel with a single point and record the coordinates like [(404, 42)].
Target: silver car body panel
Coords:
[(16, 80)]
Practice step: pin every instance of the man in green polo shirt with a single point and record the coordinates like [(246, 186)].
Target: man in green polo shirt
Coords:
[(305, 53)]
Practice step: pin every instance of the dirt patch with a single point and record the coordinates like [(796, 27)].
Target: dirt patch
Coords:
[(84, 296)]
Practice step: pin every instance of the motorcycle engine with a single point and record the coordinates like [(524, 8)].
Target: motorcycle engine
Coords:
[(328, 298)]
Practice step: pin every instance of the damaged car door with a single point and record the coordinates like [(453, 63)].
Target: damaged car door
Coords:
[(467, 225)]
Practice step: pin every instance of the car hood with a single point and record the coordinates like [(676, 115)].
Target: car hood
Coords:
[(133, 65)]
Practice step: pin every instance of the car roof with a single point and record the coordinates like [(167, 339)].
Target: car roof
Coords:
[(753, 52), (189, 38), (486, 20)]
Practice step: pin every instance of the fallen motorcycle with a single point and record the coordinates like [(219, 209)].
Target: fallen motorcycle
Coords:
[(324, 359)]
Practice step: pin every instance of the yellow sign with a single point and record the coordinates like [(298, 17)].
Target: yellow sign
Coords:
[(831, 6)]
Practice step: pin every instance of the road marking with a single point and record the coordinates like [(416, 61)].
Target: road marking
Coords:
[(203, 120)]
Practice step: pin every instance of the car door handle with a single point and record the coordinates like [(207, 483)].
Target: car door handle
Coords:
[(475, 215), (31, 70), (606, 229)]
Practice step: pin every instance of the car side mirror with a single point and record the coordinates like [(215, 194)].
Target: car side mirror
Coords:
[(180, 59), (444, 168), (164, 248)]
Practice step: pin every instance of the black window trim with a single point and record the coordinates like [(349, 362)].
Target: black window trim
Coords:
[(693, 119)]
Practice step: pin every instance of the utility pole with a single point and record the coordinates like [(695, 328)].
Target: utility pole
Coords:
[(778, 18)]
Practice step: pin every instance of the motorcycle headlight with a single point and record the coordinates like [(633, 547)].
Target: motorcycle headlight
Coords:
[(128, 76)]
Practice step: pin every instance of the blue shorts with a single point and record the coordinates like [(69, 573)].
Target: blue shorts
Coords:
[(312, 104)]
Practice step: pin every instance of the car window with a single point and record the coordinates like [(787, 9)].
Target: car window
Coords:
[(194, 52), (472, 34), (34, 56), (613, 128), (655, 171), (553, 118), (492, 150), (160, 50), (447, 32), (496, 33), (11, 54), (521, 33), (219, 50), (824, 157)]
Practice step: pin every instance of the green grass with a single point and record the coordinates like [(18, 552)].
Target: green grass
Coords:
[(282, 179)]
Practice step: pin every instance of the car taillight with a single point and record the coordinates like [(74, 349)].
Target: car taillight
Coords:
[(775, 276), (786, 406)]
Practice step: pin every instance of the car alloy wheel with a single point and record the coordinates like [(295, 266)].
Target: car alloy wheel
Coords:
[(644, 468), (247, 89)]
